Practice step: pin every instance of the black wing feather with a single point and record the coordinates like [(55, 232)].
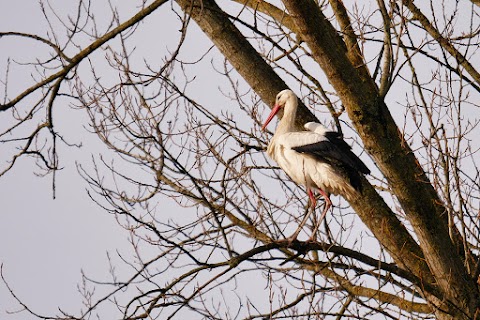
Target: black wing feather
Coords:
[(337, 155), (336, 139), (334, 154)]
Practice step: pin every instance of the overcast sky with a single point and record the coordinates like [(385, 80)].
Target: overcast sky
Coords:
[(46, 243)]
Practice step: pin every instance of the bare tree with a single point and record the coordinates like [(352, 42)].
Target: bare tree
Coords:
[(398, 79)]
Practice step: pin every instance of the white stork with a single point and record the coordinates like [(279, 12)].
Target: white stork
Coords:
[(318, 159)]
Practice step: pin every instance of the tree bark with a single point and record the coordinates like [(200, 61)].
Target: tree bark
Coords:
[(392, 154), (240, 53), (250, 65)]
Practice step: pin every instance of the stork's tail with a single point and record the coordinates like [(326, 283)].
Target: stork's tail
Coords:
[(355, 186)]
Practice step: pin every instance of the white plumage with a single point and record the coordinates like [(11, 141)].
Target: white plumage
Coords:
[(318, 158), (303, 168)]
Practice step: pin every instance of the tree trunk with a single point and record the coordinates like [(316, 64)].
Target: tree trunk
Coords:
[(371, 208), (383, 141)]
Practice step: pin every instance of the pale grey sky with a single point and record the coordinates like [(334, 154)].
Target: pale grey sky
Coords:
[(45, 243)]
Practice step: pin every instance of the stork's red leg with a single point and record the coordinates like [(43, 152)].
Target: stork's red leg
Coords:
[(328, 204), (326, 196), (313, 201)]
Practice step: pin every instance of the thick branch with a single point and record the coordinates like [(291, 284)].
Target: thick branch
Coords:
[(272, 11), (387, 50), (393, 156), (239, 52), (360, 291), (353, 50), (248, 63), (319, 268)]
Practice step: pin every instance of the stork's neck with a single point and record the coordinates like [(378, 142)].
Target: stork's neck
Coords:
[(287, 124)]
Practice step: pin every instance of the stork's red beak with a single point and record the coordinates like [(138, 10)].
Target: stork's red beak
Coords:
[(271, 115)]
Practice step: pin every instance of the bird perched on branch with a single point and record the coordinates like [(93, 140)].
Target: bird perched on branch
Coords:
[(317, 158)]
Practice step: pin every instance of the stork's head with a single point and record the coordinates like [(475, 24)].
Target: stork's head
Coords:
[(280, 101), (283, 96)]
